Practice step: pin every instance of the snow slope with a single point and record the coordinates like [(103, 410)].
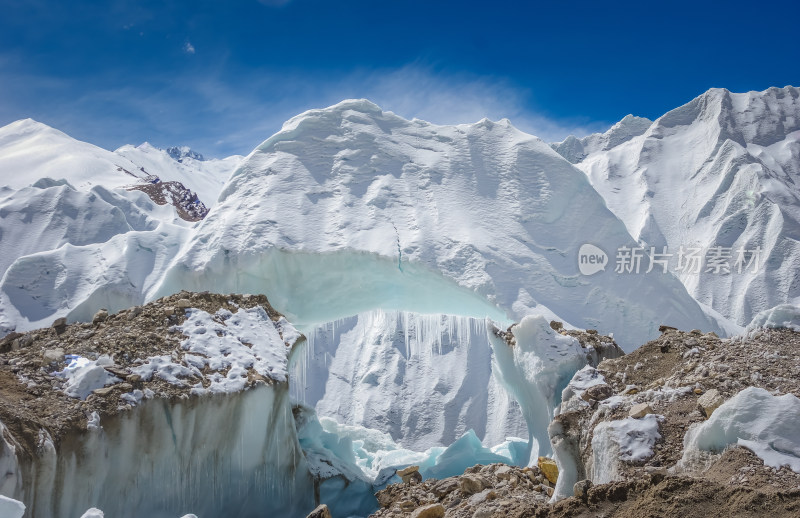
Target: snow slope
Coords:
[(721, 170), (396, 206), (69, 200), (30, 151)]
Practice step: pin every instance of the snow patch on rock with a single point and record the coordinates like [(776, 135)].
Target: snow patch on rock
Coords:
[(786, 316), (85, 376)]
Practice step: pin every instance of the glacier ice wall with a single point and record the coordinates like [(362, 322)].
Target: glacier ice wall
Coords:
[(350, 208), (235, 455), (424, 379), (535, 370)]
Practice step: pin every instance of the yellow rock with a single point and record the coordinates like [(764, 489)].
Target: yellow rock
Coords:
[(549, 469)]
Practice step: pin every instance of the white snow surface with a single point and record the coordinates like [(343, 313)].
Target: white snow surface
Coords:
[(84, 375), (719, 171), (30, 151), (786, 316), (766, 424), (635, 437), (624, 440), (62, 203), (404, 212), (225, 341)]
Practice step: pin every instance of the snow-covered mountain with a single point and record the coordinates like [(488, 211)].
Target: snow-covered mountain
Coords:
[(720, 171), (59, 191), (59, 195)]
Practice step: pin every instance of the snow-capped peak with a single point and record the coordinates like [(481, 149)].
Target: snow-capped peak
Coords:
[(720, 170), (180, 152), (575, 150)]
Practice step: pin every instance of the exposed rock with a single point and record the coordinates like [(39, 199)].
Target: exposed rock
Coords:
[(104, 391), (597, 393), (187, 205), (410, 475), (501, 490), (581, 488), (503, 472), (53, 355), (321, 511), (549, 469), (709, 402), (59, 324), (471, 484), (100, 316), (429, 511), (640, 410), (183, 304), (133, 313)]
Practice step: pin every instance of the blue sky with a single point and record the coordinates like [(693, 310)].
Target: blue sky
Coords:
[(222, 76)]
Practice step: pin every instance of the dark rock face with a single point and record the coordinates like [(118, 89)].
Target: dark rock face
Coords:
[(186, 203)]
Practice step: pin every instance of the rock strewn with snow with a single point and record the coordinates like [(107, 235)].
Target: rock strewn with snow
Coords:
[(186, 203), (673, 377), (67, 377)]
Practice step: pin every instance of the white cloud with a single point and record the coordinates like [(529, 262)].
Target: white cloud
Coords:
[(414, 91), (188, 48)]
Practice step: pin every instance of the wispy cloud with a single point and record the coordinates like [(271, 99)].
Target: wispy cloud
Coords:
[(417, 91), (218, 116), (188, 48)]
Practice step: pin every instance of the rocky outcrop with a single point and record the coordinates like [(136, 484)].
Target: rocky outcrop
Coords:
[(493, 490), (660, 391), (186, 203)]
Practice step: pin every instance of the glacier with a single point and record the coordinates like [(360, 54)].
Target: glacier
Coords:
[(399, 248)]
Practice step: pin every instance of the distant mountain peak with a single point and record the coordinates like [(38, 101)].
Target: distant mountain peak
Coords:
[(178, 153)]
